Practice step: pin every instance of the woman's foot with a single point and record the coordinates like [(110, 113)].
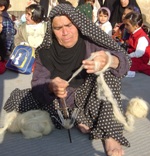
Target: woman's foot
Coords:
[(83, 128), (113, 148)]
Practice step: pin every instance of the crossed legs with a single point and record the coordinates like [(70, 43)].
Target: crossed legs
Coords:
[(112, 147)]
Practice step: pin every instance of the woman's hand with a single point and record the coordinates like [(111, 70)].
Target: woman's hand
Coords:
[(99, 61), (58, 87)]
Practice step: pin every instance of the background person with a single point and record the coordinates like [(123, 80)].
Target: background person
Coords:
[(138, 43), (119, 6), (2, 48), (33, 30), (8, 31), (103, 16)]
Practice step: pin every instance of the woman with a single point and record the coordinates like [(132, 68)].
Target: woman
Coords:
[(116, 16), (68, 44), (110, 4), (70, 39)]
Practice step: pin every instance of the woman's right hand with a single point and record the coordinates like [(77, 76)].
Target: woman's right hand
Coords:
[(58, 86)]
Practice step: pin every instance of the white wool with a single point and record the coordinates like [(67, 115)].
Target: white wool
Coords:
[(9, 119), (104, 91), (136, 108), (35, 123), (32, 124)]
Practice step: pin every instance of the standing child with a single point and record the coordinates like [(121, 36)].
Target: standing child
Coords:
[(103, 16), (8, 26), (33, 30), (138, 43), (2, 49)]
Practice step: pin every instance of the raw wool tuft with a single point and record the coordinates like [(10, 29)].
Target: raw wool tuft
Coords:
[(32, 124), (10, 118), (136, 108), (103, 91)]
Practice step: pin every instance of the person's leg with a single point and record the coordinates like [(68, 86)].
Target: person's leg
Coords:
[(139, 66), (113, 148), (83, 128)]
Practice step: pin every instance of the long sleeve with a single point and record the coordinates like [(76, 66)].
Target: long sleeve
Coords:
[(140, 48), (20, 36), (124, 63), (8, 30), (40, 81)]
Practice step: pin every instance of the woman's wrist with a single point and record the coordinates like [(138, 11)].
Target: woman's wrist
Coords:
[(114, 62)]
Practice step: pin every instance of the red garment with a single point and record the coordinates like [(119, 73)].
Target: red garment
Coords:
[(2, 67), (139, 64)]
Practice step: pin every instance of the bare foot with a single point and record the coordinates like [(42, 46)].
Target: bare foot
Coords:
[(113, 148), (83, 128)]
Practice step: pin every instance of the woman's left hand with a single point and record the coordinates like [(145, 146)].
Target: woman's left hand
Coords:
[(97, 63)]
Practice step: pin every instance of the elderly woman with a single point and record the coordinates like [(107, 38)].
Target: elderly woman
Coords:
[(70, 39)]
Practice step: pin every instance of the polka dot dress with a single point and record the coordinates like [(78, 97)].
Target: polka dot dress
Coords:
[(23, 101), (98, 114)]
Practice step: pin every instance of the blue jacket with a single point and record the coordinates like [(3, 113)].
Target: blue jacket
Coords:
[(8, 30)]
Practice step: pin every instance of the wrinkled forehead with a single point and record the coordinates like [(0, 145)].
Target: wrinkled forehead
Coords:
[(57, 18)]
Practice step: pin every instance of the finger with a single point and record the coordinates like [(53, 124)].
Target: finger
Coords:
[(88, 62), (62, 95), (97, 65)]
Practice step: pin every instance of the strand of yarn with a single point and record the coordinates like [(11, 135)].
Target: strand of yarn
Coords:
[(104, 92)]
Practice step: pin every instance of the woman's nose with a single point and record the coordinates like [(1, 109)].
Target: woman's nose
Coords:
[(64, 31)]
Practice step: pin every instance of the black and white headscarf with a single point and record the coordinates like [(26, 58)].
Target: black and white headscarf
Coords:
[(86, 27)]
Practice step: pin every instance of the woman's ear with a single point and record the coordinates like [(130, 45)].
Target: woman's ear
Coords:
[(2, 8)]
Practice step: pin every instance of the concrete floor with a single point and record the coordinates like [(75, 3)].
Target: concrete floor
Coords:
[(57, 143)]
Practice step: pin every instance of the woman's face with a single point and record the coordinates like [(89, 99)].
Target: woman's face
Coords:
[(124, 3), (1, 25), (126, 11), (28, 16), (66, 33)]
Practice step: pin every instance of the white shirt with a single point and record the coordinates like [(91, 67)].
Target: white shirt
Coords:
[(140, 48), (107, 27)]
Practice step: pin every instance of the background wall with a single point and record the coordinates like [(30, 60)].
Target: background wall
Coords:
[(19, 5), (145, 8)]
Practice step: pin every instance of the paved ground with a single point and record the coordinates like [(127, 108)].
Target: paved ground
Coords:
[(57, 143)]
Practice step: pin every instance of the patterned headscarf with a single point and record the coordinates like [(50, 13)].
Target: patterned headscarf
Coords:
[(86, 27)]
